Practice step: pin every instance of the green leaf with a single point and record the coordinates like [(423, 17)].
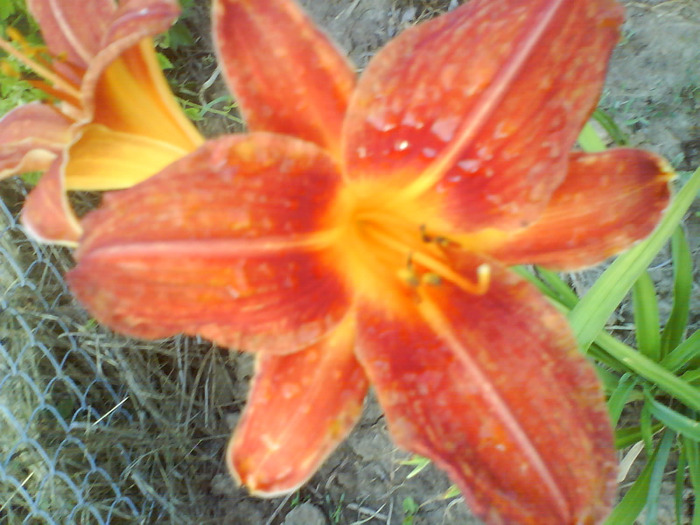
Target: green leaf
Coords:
[(628, 436), (646, 428), (678, 422), (645, 367), (608, 124), (562, 291), (589, 140), (418, 463), (682, 285), (657, 475), (684, 354), (7, 9), (618, 399), (680, 484), (163, 61), (692, 376), (591, 313), (646, 317), (632, 504), (692, 452)]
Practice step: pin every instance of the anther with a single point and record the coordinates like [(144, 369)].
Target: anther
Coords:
[(409, 276), (435, 239), (431, 279)]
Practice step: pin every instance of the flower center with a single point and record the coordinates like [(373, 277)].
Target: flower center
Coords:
[(389, 245)]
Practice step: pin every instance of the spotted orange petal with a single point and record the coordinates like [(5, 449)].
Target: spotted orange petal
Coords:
[(227, 243), (31, 136), (608, 201), (46, 213), (483, 104), (286, 74), (73, 29), (493, 389), (299, 408)]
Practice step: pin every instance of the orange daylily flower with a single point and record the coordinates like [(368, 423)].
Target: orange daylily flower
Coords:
[(114, 121), (361, 234)]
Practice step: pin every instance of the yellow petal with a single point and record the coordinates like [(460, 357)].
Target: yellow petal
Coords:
[(132, 96), (104, 159)]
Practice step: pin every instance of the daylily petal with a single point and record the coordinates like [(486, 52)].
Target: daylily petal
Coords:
[(124, 82), (104, 159), (47, 214), (31, 136), (493, 389), (608, 201), (230, 238), (286, 74), (483, 104), (73, 29), (299, 408), (133, 97)]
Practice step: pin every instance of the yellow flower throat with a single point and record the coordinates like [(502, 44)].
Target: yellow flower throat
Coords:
[(386, 242)]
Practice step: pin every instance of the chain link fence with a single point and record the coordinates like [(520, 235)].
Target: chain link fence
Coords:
[(95, 428)]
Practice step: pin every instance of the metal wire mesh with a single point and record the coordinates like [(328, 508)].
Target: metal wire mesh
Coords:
[(56, 402)]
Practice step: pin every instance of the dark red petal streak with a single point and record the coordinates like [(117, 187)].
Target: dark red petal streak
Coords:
[(286, 74), (493, 389), (484, 104), (299, 408), (607, 202), (225, 243), (30, 138), (73, 29), (47, 214)]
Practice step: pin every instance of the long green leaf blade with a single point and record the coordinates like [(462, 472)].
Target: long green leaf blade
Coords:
[(682, 285), (646, 317), (618, 399), (692, 453), (632, 504), (657, 475), (685, 353), (645, 367), (674, 420)]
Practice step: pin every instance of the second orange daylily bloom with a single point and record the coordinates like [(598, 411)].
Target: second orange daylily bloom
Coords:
[(361, 234), (113, 121)]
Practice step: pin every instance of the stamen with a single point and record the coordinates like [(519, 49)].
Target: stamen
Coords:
[(41, 70), (483, 274), (435, 266)]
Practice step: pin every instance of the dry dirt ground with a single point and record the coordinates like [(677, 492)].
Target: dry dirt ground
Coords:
[(653, 92)]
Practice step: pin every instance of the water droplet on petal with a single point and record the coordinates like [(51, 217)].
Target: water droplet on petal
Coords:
[(380, 123), (401, 145), (429, 152), (484, 153), (445, 128), (503, 130), (361, 152), (469, 165), (410, 120)]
